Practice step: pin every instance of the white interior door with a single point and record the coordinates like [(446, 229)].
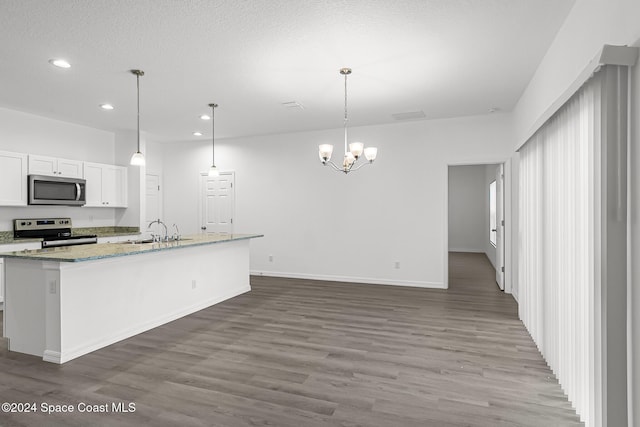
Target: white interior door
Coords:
[(153, 200), (500, 226), (217, 203)]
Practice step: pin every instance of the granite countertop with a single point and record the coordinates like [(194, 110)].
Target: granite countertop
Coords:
[(6, 237), (110, 250)]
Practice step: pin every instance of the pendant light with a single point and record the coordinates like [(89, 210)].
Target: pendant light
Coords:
[(213, 170), (354, 150), (138, 158)]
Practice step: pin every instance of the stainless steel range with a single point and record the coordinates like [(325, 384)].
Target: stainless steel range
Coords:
[(54, 232)]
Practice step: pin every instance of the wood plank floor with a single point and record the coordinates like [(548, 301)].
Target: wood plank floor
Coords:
[(305, 353)]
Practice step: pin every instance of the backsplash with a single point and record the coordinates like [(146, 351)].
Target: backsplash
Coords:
[(105, 231), (6, 237)]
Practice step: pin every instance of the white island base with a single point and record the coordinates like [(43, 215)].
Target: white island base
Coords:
[(63, 310)]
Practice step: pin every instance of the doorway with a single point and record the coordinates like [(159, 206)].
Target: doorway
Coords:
[(478, 208), (153, 198), (217, 203)]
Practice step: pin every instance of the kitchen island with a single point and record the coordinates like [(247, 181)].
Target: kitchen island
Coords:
[(62, 303)]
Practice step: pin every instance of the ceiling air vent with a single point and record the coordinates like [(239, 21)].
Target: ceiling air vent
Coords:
[(411, 115), (293, 105)]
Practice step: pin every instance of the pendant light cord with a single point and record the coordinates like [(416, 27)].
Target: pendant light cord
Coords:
[(213, 135), (138, 89), (346, 119)]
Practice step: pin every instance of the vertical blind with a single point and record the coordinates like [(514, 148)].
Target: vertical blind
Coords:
[(556, 242)]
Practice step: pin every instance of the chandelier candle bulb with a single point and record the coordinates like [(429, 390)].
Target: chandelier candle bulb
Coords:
[(356, 149), (370, 153), (349, 159), (325, 151)]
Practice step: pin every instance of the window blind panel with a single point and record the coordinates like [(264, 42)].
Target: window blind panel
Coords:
[(555, 227)]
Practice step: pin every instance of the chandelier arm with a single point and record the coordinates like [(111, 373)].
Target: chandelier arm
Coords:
[(333, 165), (363, 164)]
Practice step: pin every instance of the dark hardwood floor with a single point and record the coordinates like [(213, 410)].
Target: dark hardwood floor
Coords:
[(307, 353)]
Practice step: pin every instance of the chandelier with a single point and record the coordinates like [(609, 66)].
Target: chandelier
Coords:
[(353, 151)]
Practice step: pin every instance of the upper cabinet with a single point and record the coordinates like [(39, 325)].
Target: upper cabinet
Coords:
[(13, 179), (52, 166), (106, 185)]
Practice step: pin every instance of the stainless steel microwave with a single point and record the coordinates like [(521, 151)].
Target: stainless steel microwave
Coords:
[(53, 190)]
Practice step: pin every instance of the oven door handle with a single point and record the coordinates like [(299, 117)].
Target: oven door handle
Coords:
[(78, 191)]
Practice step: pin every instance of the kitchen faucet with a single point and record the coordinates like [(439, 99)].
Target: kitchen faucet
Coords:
[(176, 235), (166, 234)]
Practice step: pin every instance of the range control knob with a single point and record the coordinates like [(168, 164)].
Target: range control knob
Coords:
[(23, 223)]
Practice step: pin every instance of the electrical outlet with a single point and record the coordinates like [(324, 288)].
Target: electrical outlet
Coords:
[(193, 284), (270, 258), (397, 265), (52, 287)]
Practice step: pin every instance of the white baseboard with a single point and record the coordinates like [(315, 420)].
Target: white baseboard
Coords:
[(350, 279), (52, 356), (474, 251)]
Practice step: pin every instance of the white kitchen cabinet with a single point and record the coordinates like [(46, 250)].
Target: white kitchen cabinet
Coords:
[(52, 166), (13, 179), (106, 185)]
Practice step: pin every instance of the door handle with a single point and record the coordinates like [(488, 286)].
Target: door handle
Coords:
[(78, 191), (203, 228)]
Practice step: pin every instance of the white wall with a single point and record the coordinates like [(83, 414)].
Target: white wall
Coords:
[(322, 224), (31, 134), (467, 208), (590, 25), (126, 145)]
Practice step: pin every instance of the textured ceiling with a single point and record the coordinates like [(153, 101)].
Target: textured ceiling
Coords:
[(444, 57)]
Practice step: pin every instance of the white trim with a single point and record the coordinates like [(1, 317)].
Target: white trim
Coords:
[(445, 229), (350, 279), (508, 227), (608, 55), (473, 251), (52, 356)]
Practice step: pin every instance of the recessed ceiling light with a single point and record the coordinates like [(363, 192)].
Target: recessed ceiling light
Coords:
[(106, 106), (205, 117), (60, 63), (197, 134)]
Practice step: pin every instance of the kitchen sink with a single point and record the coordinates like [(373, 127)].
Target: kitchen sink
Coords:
[(143, 241), (137, 242)]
